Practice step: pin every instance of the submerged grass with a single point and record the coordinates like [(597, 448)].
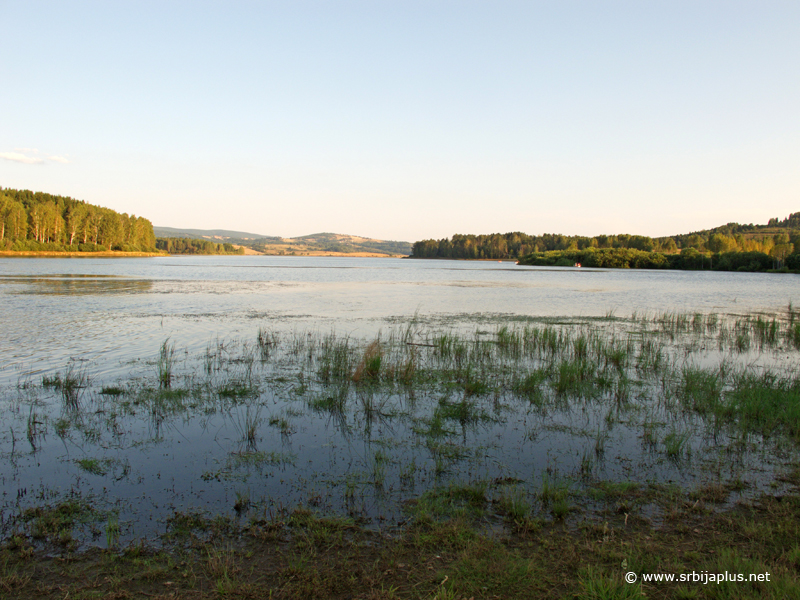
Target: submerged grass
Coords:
[(70, 383), (418, 411)]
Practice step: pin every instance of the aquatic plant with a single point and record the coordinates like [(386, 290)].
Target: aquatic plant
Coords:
[(676, 444), (113, 530), (267, 342), (165, 364), (335, 361), (70, 384), (369, 368), (242, 501), (514, 505)]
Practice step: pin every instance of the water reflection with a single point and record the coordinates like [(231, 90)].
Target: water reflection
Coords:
[(73, 285)]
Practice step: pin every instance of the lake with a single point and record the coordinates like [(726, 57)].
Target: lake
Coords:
[(231, 385)]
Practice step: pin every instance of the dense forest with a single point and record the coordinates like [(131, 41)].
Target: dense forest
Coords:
[(36, 221), (729, 247), (194, 246)]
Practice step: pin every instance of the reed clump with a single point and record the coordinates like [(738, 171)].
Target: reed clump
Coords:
[(369, 367), (70, 383), (165, 364)]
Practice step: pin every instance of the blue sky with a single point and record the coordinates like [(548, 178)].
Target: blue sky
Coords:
[(407, 120)]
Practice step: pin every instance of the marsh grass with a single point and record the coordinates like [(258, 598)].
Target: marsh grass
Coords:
[(248, 426), (451, 397), (379, 461), (165, 364), (335, 359), (514, 505), (454, 501), (112, 390), (444, 552), (465, 411), (55, 523), (94, 466), (70, 383), (242, 503), (765, 403), (333, 400), (267, 342), (35, 429), (554, 494), (369, 367), (676, 444), (282, 424), (113, 530), (214, 357)]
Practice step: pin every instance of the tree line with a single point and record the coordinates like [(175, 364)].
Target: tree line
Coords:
[(36, 221), (776, 244), (687, 259), (195, 246)]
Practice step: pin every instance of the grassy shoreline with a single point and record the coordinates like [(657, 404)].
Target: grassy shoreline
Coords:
[(443, 554), (679, 454)]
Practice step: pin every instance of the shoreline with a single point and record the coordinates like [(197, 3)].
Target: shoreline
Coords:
[(118, 254), (53, 254), (464, 551)]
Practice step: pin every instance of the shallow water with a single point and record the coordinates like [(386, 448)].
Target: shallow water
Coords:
[(108, 311), (147, 453)]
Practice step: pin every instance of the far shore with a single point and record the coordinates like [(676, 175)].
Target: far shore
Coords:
[(105, 254), (115, 254)]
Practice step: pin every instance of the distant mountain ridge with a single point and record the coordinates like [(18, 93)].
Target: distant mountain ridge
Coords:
[(207, 234), (316, 243)]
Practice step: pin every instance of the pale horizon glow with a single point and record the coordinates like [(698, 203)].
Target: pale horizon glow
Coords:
[(407, 120)]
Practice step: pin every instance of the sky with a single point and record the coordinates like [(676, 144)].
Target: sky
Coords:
[(407, 120)]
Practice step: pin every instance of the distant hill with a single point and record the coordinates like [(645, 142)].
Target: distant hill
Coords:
[(314, 244), (206, 234)]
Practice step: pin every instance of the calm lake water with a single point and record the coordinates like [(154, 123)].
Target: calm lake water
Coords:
[(108, 311), (146, 452)]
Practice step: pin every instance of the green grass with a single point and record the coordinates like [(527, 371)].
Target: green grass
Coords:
[(455, 501), (443, 552), (165, 364), (514, 505), (765, 403), (70, 383), (676, 444), (94, 466)]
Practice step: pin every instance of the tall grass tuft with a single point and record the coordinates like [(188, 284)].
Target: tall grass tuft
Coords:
[(514, 505), (765, 403), (369, 368), (165, 364), (701, 390), (335, 359), (69, 384), (676, 444)]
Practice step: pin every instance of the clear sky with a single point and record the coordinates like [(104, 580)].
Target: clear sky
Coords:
[(407, 120)]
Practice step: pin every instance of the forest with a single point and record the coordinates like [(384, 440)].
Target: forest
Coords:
[(195, 246), (37, 221), (775, 245)]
